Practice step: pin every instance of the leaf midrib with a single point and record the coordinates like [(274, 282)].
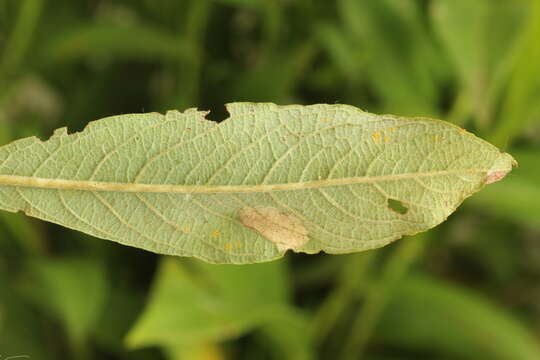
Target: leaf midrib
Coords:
[(84, 185)]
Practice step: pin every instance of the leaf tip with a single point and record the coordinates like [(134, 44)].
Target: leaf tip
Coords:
[(501, 167)]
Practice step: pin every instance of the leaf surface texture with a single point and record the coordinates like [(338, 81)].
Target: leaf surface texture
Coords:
[(267, 180)]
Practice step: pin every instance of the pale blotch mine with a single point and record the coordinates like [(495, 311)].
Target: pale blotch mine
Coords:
[(285, 230), (502, 166)]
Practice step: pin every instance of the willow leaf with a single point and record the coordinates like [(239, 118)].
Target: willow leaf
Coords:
[(268, 179)]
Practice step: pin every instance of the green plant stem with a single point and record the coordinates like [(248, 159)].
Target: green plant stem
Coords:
[(21, 36), (378, 295), (351, 281)]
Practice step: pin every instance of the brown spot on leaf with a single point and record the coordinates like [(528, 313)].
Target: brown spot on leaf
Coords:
[(495, 176), (502, 166), (283, 229)]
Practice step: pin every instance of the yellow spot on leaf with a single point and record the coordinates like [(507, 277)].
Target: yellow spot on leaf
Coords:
[(376, 136), (186, 229), (462, 131), (228, 247), (215, 233), (386, 139), (238, 244), (438, 138), (325, 119)]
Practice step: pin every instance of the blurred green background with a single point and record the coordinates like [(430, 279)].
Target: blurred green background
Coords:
[(469, 289)]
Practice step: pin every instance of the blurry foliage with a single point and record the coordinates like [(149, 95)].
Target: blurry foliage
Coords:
[(474, 289)]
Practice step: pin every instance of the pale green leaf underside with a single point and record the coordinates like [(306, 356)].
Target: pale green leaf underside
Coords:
[(269, 178)]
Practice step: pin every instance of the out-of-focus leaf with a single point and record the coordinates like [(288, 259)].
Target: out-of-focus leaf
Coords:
[(24, 230), (480, 36), (196, 352), (288, 333), (516, 198), (391, 357), (72, 289), (402, 64), (122, 306), (275, 79), (21, 38), (247, 4), (378, 295), (520, 105), (338, 44), (22, 330), (185, 308), (199, 303), (267, 180), (110, 41), (426, 314)]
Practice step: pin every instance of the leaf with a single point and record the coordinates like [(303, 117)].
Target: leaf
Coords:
[(401, 64), (247, 4), (59, 289), (438, 316), (193, 306), (288, 331), (480, 37), (112, 41), (519, 108), (269, 179), (197, 352), (22, 328)]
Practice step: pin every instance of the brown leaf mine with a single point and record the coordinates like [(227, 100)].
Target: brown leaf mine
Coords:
[(285, 230)]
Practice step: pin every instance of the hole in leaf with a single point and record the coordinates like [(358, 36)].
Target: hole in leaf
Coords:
[(397, 206)]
